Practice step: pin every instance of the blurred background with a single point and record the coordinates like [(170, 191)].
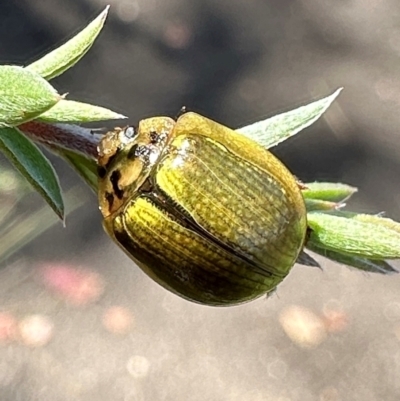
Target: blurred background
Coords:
[(78, 321)]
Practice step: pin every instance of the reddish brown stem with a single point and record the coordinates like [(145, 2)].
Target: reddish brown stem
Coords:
[(67, 136)]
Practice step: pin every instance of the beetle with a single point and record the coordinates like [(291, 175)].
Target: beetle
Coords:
[(206, 212)]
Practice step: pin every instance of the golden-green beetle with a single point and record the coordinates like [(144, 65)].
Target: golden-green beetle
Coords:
[(204, 211)]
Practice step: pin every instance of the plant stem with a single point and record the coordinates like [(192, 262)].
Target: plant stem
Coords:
[(67, 136)]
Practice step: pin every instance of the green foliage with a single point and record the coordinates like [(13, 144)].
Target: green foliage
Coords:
[(358, 240), (83, 165), (69, 111), (67, 55), (24, 95), (274, 130), (339, 233), (27, 158), (327, 191)]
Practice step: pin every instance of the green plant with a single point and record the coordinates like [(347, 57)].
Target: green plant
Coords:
[(32, 112)]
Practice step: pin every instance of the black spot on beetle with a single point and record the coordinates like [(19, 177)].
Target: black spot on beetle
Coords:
[(101, 171), (110, 199), (143, 151), (132, 152), (115, 176), (154, 137), (111, 159)]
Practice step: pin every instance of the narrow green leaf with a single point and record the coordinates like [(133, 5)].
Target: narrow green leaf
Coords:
[(67, 55), (367, 265), (23, 95), (376, 220), (327, 191), (278, 128), (73, 143), (69, 111), (33, 165), (352, 237), (84, 166), (313, 205)]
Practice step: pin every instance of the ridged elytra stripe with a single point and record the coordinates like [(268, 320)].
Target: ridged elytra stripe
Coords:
[(231, 210), (182, 216), (184, 261)]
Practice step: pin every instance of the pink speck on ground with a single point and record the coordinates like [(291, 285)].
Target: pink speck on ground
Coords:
[(335, 321), (78, 287), (117, 320), (8, 327)]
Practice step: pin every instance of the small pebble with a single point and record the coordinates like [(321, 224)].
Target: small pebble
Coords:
[(8, 327), (35, 330), (78, 287), (138, 366), (117, 320), (335, 321), (302, 326)]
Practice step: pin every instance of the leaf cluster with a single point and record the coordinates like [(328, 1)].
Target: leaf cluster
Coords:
[(32, 111)]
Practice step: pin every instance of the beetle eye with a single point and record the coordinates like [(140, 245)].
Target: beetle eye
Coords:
[(130, 132)]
